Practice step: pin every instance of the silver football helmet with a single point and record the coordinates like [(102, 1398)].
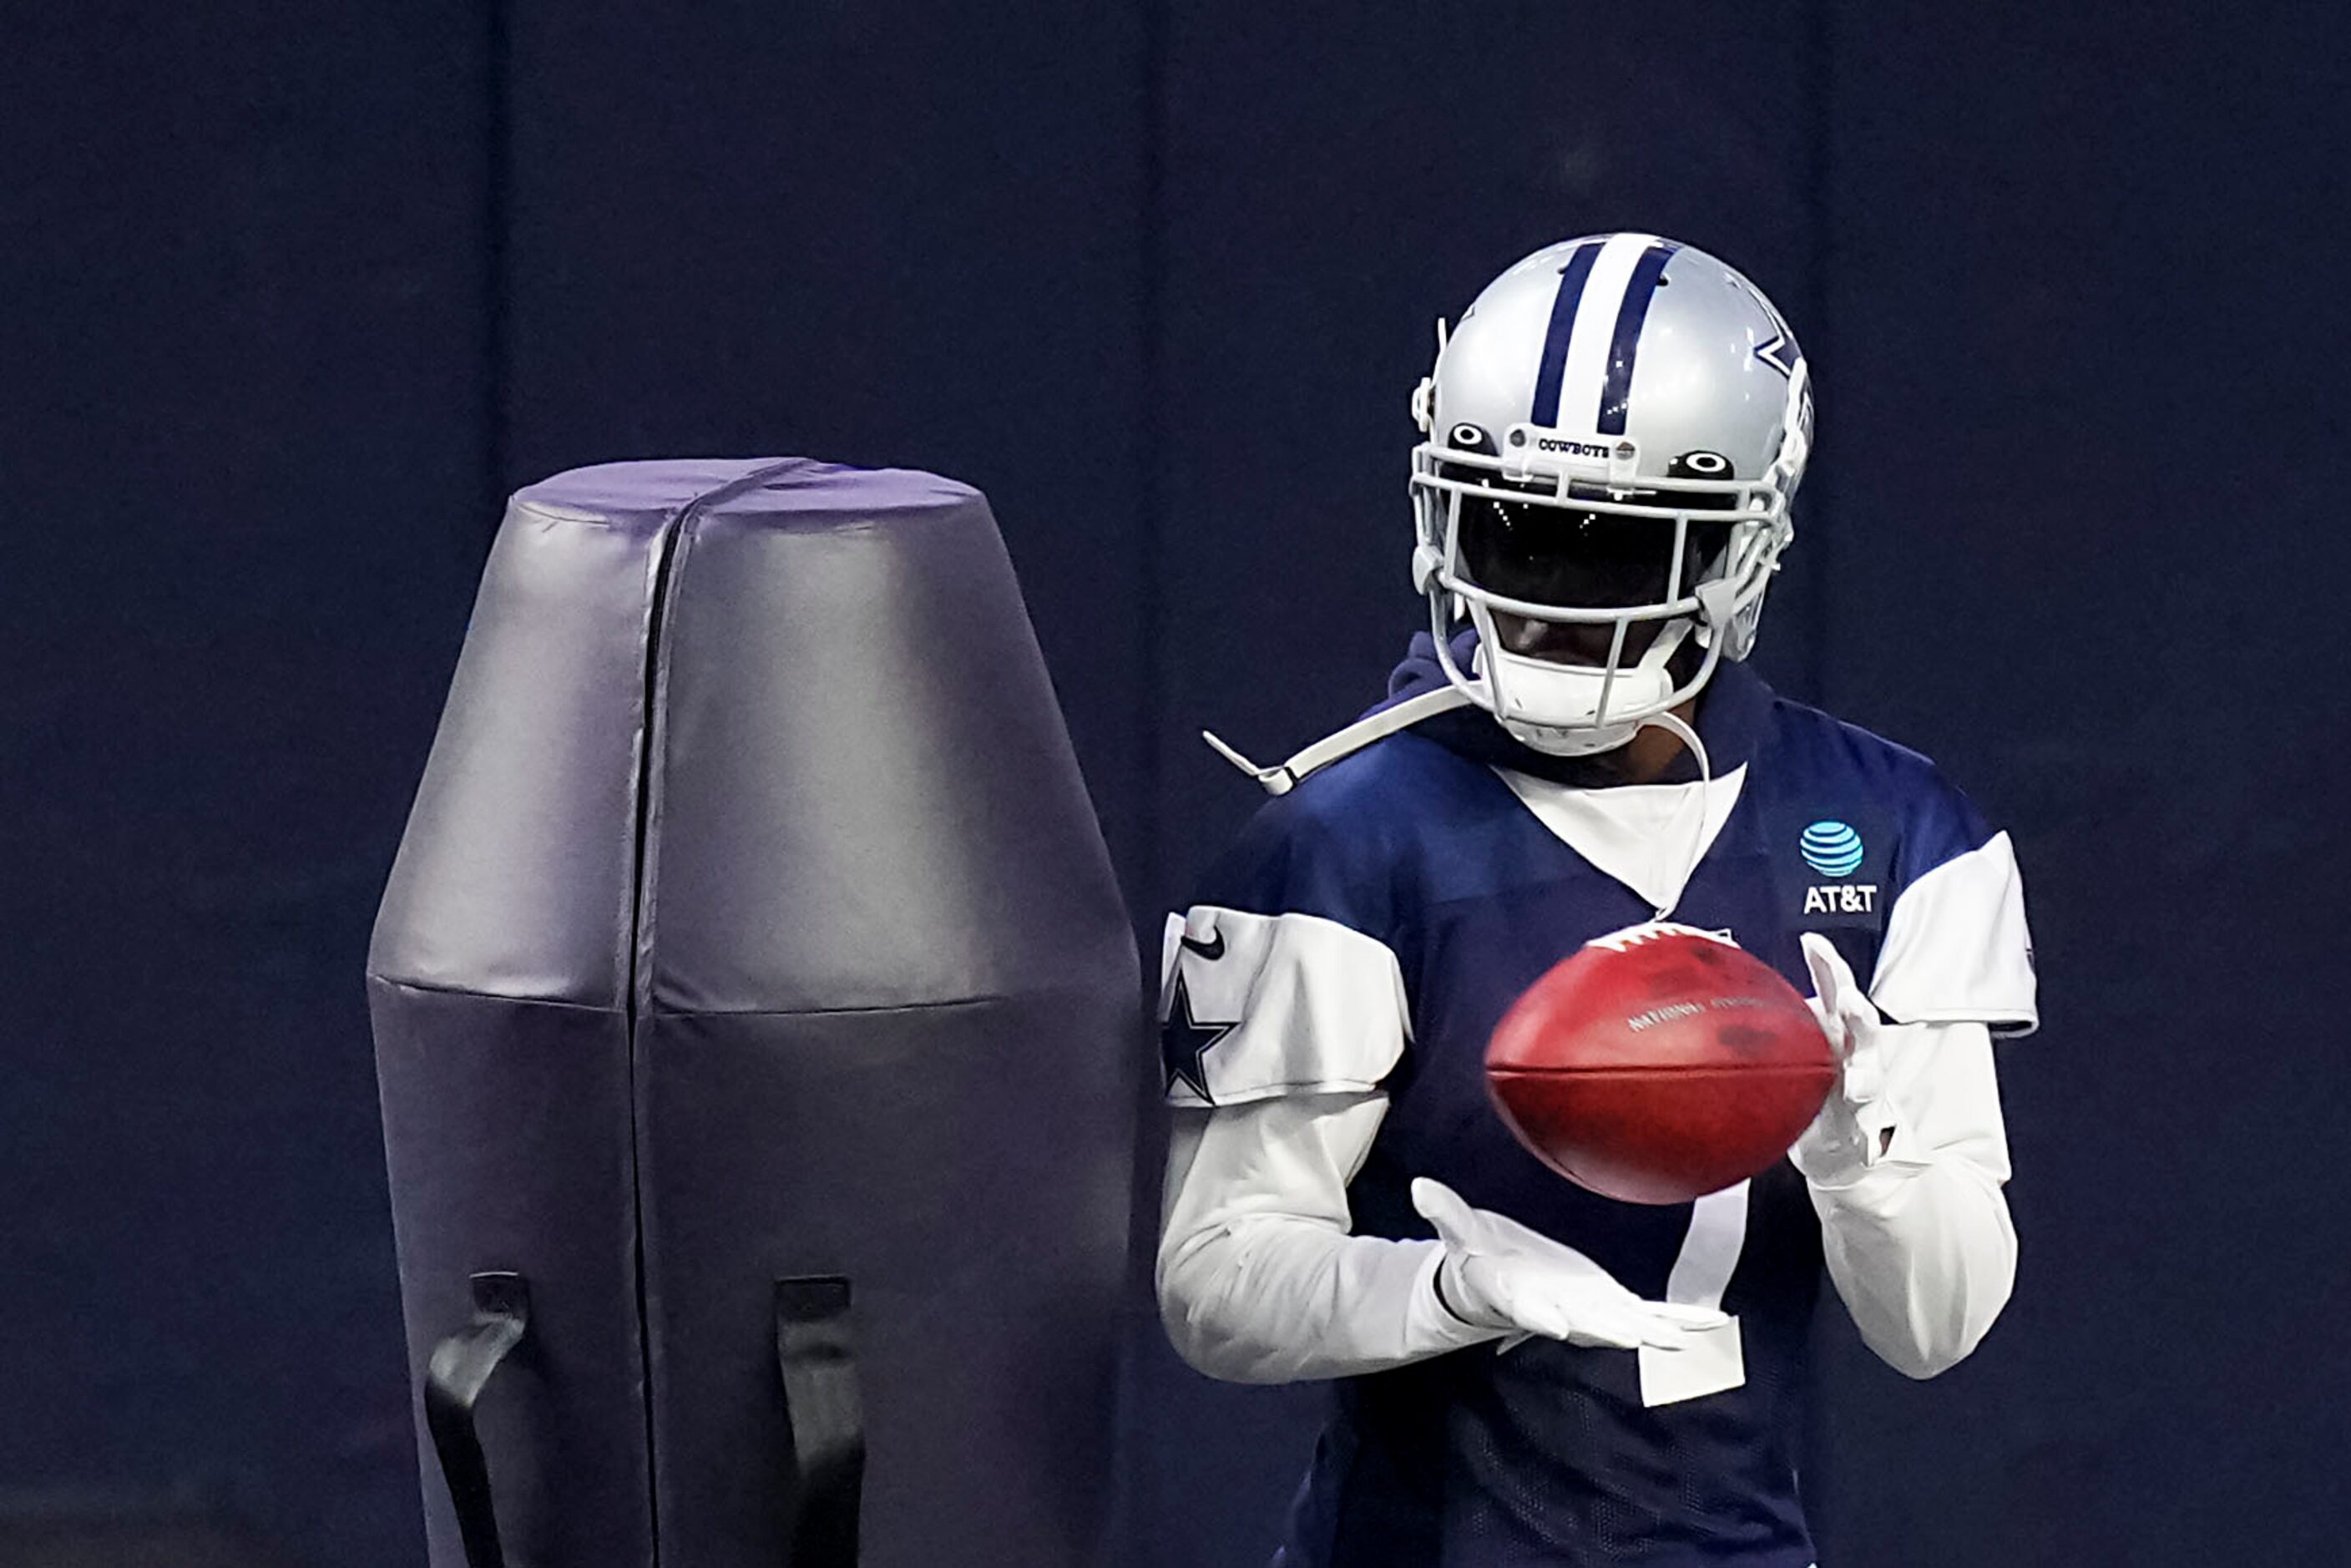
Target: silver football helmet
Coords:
[(1613, 435)]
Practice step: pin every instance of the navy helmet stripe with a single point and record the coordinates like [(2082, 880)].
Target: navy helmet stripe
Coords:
[(1617, 391), (1572, 279)]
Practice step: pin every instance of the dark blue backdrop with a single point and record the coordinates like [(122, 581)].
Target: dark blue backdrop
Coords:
[(290, 296)]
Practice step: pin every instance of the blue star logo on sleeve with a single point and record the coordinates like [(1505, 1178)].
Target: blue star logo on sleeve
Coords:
[(1185, 1040)]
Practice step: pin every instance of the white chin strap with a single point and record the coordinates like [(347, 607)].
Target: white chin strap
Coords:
[(1563, 710), (1669, 722)]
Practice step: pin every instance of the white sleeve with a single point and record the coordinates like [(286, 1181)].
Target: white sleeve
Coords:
[(1956, 947), (1262, 1005), (1920, 1245), (1259, 1280)]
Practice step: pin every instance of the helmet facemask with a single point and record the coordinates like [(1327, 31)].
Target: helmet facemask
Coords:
[(1597, 605)]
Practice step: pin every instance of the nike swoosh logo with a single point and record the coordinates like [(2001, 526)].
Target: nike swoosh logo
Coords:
[(1210, 949)]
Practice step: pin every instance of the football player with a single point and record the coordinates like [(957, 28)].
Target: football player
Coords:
[(1526, 1372)]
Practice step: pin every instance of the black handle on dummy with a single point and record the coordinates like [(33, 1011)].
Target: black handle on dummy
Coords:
[(818, 1360), (454, 1380)]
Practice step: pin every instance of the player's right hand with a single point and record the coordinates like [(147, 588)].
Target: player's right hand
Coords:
[(1496, 1273)]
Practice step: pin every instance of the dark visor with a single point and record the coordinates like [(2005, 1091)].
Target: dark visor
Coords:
[(1547, 553)]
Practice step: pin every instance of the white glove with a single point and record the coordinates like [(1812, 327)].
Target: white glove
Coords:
[(1856, 1126), (1499, 1274)]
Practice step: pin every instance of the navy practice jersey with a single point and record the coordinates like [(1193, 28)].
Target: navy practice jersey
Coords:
[(1368, 929)]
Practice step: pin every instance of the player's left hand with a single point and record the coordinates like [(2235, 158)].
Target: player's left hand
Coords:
[(1856, 1126)]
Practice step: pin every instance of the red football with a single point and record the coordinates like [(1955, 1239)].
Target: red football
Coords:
[(1658, 1064)]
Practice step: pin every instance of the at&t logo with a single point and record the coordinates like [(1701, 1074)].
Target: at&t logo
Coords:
[(1835, 851)]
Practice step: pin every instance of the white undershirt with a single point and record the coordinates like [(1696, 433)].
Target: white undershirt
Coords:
[(1650, 837), (1262, 1282)]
